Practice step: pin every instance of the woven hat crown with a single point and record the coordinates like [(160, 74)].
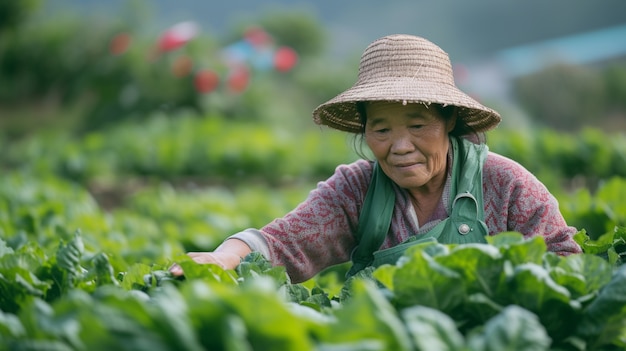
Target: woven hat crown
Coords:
[(404, 56), (403, 68)]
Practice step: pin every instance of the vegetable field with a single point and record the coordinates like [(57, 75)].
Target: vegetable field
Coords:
[(122, 149), (89, 226)]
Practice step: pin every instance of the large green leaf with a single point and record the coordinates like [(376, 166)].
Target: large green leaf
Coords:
[(4, 249), (133, 278), (479, 308), (421, 280), (18, 279), (517, 249), (254, 264), (384, 274), (367, 317), (604, 320), (236, 338), (43, 323), (533, 288), (296, 292), (481, 267), (269, 323), (432, 330), (598, 246), (68, 258), (124, 320), (582, 275), (212, 319), (515, 329), (170, 319), (505, 239), (102, 270), (18, 288), (10, 326), (29, 257)]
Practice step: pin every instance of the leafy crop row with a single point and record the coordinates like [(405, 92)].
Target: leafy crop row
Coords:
[(213, 148), (590, 155), (73, 277), (184, 146), (509, 294)]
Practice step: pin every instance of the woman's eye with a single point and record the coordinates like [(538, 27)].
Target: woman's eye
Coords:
[(417, 126), (381, 130)]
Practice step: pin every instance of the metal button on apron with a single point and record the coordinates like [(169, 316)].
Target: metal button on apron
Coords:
[(464, 229)]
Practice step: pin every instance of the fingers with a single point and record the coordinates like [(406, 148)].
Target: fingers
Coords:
[(199, 257), (176, 270), (203, 257)]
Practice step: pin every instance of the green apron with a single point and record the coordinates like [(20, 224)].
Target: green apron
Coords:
[(464, 225)]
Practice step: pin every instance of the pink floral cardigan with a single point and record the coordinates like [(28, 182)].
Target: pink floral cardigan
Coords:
[(320, 231)]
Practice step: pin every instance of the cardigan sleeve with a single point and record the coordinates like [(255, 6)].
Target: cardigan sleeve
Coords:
[(320, 231), (515, 200)]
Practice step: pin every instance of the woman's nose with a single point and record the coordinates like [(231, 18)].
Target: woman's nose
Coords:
[(402, 143)]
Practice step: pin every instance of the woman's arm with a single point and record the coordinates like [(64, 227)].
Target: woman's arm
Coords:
[(318, 233), (515, 200)]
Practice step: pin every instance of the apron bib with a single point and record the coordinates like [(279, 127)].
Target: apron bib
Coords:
[(464, 225)]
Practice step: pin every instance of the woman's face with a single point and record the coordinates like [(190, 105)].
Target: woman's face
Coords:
[(409, 141)]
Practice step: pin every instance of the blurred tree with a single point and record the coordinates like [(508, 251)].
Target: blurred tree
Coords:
[(615, 76), (298, 30), (563, 96), (14, 12), (109, 72)]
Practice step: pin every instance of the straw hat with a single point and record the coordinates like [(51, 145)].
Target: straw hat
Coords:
[(403, 68)]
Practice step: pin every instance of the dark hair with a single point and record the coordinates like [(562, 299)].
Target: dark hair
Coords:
[(461, 128)]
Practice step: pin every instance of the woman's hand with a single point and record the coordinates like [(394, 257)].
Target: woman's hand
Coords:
[(225, 260), (228, 256)]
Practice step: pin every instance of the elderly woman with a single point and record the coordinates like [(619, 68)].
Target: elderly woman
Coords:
[(432, 177)]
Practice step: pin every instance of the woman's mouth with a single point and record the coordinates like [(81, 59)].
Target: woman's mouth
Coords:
[(406, 165)]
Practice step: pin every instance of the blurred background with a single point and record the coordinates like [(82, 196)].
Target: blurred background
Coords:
[(160, 127), (121, 95), (82, 64)]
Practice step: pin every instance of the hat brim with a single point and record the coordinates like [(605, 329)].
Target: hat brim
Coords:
[(341, 113)]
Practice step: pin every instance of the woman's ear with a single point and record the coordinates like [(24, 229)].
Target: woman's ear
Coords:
[(451, 120)]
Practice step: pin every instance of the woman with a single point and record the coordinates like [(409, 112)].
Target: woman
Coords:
[(433, 177)]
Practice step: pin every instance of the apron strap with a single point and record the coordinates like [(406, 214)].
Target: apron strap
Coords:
[(467, 213), (374, 220)]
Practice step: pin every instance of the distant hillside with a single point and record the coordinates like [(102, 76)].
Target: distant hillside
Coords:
[(465, 29)]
